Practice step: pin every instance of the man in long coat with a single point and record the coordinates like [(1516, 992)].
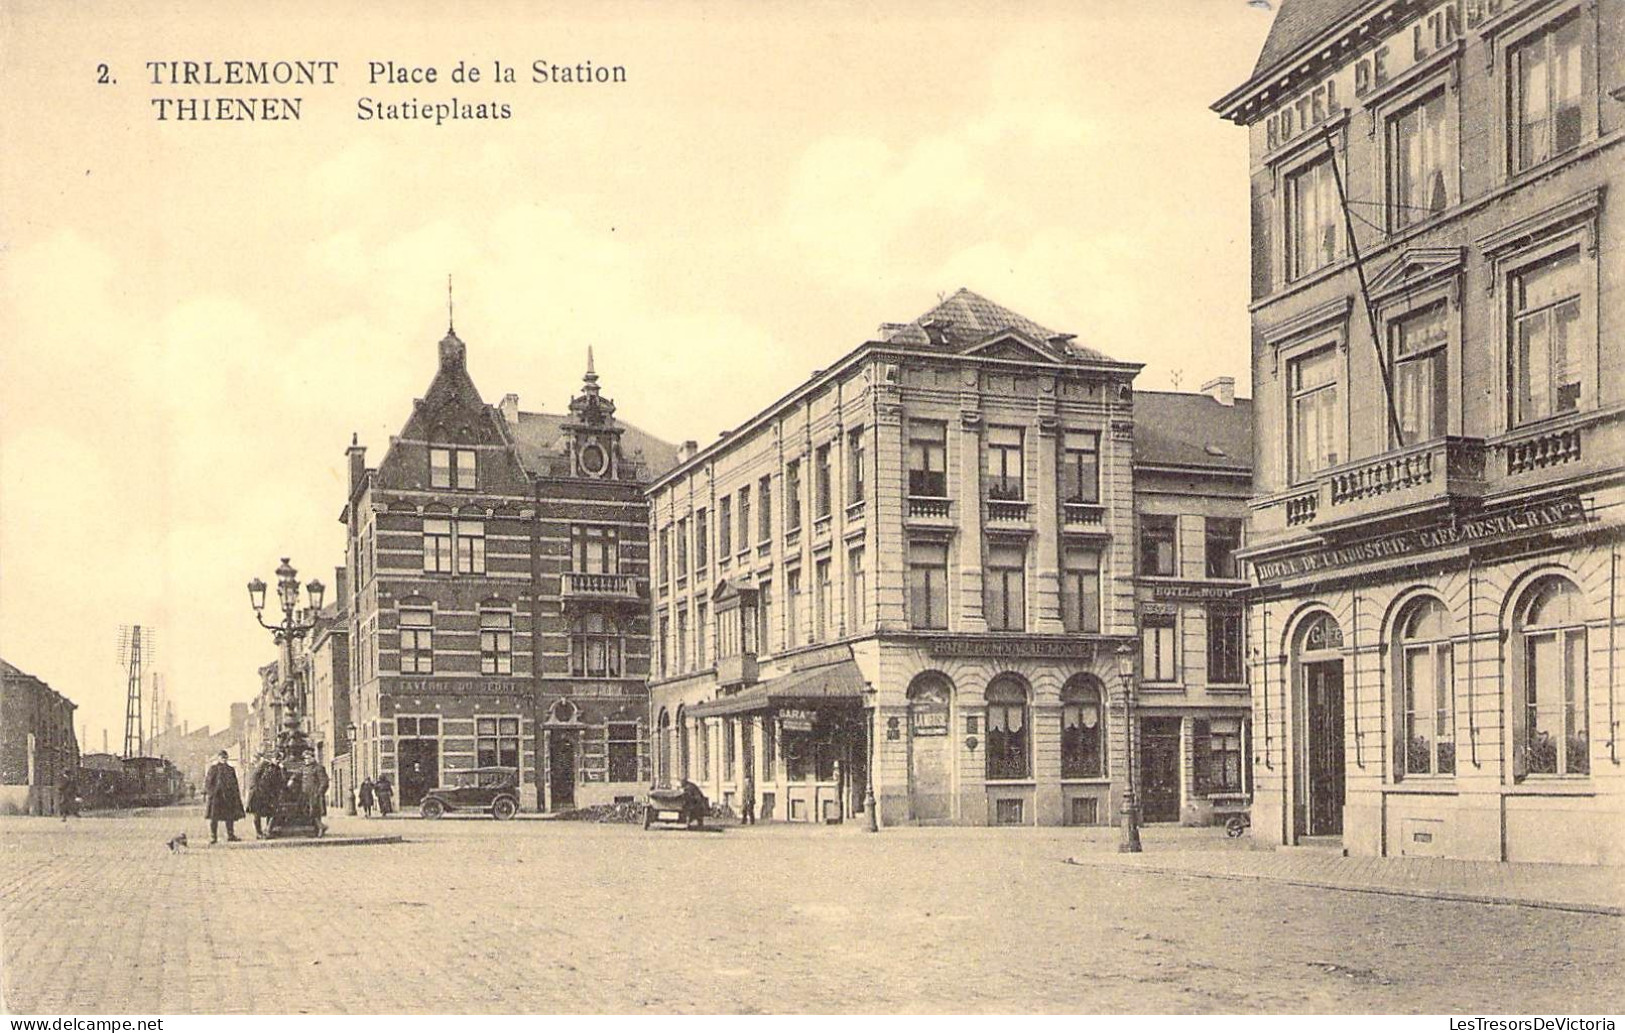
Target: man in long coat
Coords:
[(222, 799), (315, 783), (264, 786)]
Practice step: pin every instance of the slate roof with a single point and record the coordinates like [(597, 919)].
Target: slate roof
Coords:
[(1299, 21), (1176, 428), (968, 318), (538, 436)]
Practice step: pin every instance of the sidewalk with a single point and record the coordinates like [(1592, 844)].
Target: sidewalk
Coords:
[(1559, 887)]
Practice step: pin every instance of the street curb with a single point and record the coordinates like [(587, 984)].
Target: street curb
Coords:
[(1388, 891), (282, 844)]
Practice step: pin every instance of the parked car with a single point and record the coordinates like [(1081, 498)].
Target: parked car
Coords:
[(493, 790), (681, 806)]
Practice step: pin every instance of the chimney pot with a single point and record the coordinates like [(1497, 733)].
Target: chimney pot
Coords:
[(1221, 390)]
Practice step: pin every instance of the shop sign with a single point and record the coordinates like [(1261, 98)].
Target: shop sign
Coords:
[(965, 645), (929, 721), (796, 720), (1159, 610), (1193, 590), (1484, 527), (461, 686)]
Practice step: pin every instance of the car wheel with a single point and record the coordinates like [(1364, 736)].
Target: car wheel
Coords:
[(504, 808), (432, 808)]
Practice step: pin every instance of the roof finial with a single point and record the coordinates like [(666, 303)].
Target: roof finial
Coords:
[(589, 380), (451, 326), (590, 373)]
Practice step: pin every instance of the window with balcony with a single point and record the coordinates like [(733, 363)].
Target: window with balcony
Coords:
[(1420, 163), (725, 529), (1223, 536), (928, 459), (1004, 466), (1080, 590), (702, 540), (595, 550), (764, 510), (1159, 659), (496, 641), (792, 496), (453, 468), (1418, 348), (1313, 410), (1159, 554), (597, 645), (1004, 587), (1080, 474), (1224, 638), (417, 641), (855, 488), (822, 488), (1313, 219), (1547, 364), (928, 584), (1548, 95)]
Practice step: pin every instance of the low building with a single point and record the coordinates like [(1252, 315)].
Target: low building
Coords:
[(37, 743), (191, 750)]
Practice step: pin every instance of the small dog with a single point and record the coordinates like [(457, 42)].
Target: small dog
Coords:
[(177, 843)]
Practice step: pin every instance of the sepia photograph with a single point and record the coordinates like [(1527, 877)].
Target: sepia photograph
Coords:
[(806, 508)]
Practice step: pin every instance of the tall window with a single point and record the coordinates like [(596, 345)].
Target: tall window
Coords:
[(1159, 655), (417, 641), (470, 546), (596, 646), (1312, 218), (437, 551), (663, 750), (496, 641), (928, 459), (928, 584), (764, 509), (1548, 87), (1313, 383), (725, 529), (1546, 361), (1224, 644), (1223, 539), (1426, 680), (666, 668), (822, 488), (1080, 590), (622, 745), (1158, 555), (729, 735), (452, 468), (792, 495), (857, 594), (854, 467), (1552, 732), (682, 548), (701, 628), (1418, 343), (744, 519), (665, 555), (682, 638), (823, 601), (1218, 755), (1080, 477), (1008, 734), (1418, 162), (1004, 463), (764, 608), (595, 550), (496, 741), (792, 609), (1082, 753), (1004, 591), (701, 540)]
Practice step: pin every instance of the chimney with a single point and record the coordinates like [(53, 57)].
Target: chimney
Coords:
[(1221, 390), (510, 409), (687, 451), (358, 462), (341, 588)]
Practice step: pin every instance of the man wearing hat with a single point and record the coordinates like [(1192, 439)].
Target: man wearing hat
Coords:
[(264, 786), (222, 799)]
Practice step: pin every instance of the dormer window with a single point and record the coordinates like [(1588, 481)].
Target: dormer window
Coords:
[(452, 468)]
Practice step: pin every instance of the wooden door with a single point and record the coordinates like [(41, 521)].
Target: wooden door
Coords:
[(1159, 769)]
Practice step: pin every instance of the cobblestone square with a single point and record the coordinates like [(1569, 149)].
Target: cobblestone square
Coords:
[(532, 916)]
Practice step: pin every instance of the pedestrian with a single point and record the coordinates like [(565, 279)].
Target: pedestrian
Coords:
[(315, 783), (386, 796), (264, 788), (366, 796), (67, 794), (223, 802), (747, 807)]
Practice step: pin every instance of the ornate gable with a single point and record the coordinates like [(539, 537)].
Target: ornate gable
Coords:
[(1414, 267), (1011, 344)]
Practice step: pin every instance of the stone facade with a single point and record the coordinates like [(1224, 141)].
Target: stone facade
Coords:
[(37, 742)]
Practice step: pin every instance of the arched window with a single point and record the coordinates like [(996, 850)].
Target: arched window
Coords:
[(595, 647), (1008, 735), (1425, 675), (1550, 735), (682, 744), (1082, 739), (664, 769)]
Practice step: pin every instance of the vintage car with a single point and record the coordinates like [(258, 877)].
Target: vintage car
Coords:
[(681, 806), (493, 790)]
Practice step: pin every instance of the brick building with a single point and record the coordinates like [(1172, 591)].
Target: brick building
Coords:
[(323, 664), (915, 570), (1435, 527), (498, 613), (36, 742), (1192, 478)]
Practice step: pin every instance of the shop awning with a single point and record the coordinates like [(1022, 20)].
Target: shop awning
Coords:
[(830, 685)]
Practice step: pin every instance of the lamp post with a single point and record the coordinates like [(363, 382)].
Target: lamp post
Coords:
[(869, 767), (349, 797), (1125, 676), (291, 739)]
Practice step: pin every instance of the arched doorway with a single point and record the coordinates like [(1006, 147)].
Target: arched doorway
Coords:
[(930, 784), (1317, 763)]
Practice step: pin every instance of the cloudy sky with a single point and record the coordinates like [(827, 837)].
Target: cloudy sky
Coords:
[(198, 315)]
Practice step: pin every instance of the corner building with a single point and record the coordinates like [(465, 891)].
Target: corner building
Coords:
[(498, 595), (910, 576), (1435, 530)]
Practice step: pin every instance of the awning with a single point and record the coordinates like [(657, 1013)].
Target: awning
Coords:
[(831, 685)]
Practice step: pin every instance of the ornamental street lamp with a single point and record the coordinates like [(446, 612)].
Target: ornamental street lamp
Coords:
[(349, 797), (869, 763), (291, 740), (1125, 677)]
